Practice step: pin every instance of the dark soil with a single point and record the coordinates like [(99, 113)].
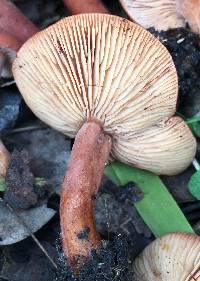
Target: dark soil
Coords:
[(112, 263), (21, 190), (184, 47)]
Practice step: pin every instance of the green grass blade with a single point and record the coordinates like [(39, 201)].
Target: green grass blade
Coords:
[(2, 184), (158, 208)]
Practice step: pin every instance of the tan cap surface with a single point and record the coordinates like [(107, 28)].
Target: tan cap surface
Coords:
[(160, 14), (173, 257), (110, 69)]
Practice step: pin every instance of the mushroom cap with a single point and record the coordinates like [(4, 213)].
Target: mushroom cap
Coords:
[(9, 46), (190, 10), (109, 69), (175, 256), (160, 14), (160, 148)]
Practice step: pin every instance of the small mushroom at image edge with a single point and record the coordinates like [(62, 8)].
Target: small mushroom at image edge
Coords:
[(164, 14), (175, 256), (113, 86)]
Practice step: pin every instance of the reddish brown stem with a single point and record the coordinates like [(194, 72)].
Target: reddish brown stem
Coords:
[(9, 46), (8, 42), (89, 154), (86, 6), (14, 22)]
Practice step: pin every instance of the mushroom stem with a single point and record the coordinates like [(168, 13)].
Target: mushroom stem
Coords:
[(81, 183), (87, 6), (14, 22), (9, 45)]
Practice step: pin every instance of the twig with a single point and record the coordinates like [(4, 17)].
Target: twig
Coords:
[(196, 164), (22, 222), (28, 128), (107, 218), (6, 84)]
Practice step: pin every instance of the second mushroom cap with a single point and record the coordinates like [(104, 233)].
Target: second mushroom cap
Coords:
[(175, 256)]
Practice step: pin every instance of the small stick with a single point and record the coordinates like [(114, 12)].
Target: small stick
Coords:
[(28, 128), (196, 164), (108, 219), (6, 84)]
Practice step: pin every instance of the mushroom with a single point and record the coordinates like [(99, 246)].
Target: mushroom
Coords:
[(15, 29), (4, 159), (160, 14), (175, 256), (86, 6), (164, 14), (113, 86)]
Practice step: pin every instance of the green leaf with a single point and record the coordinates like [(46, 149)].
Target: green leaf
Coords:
[(2, 184), (180, 115), (158, 208), (195, 127), (40, 182), (194, 185), (194, 124), (193, 119)]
